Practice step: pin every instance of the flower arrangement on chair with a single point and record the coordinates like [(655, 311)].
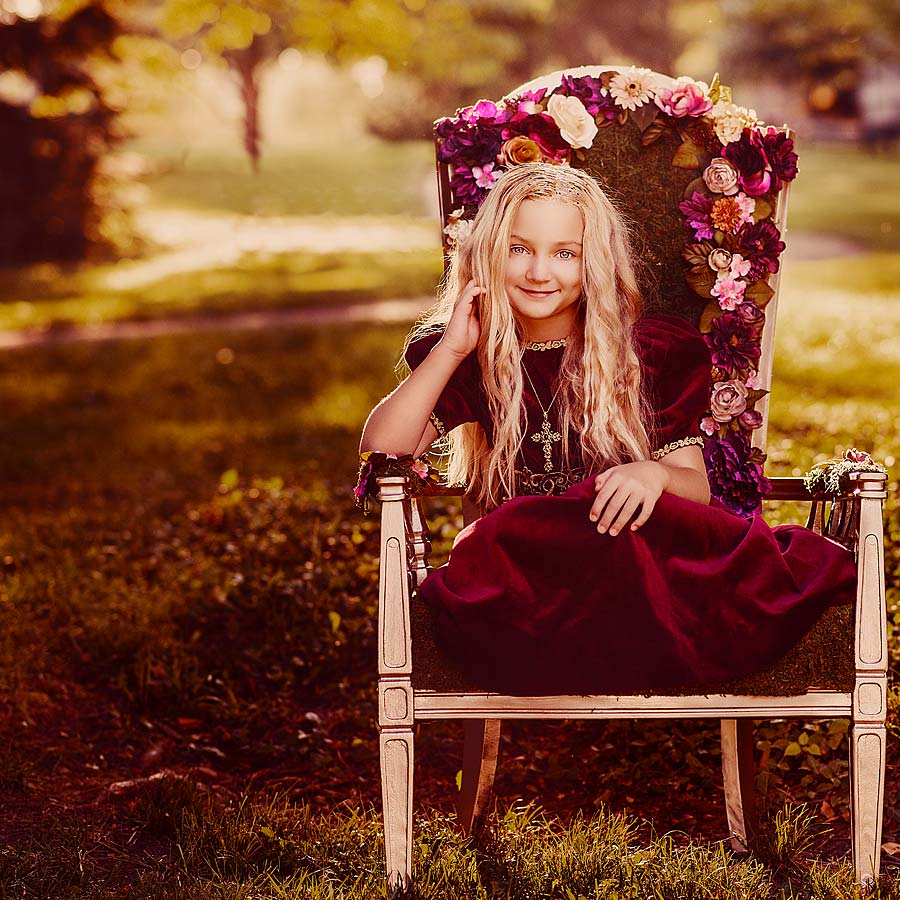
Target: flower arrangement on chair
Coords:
[(732, 245)]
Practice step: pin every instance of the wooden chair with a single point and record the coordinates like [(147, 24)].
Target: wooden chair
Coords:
[(839, 669)]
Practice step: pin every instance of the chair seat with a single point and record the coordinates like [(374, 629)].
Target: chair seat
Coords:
[(823, 659)]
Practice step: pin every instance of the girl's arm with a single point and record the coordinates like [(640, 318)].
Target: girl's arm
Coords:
[(621, 490), (400, 423)]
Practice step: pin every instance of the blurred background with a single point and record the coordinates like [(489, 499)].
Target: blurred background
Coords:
[(217, 221)]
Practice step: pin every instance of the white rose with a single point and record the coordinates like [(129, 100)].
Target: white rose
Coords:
[(730, 120), (719, 260), (576, 124)]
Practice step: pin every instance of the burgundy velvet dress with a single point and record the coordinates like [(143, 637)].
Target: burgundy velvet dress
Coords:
[(535, 601)]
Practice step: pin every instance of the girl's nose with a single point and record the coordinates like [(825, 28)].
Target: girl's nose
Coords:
[(538, 268)]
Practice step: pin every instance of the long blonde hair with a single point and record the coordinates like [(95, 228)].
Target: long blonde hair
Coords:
[(600, 395)]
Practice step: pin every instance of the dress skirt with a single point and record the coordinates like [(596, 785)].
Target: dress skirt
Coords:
[(535, 601)]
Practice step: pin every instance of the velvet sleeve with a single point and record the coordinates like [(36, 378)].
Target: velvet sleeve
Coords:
[(676, 366), (456, 404)]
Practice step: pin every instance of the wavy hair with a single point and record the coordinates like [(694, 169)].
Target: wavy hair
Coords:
[(600, 396)]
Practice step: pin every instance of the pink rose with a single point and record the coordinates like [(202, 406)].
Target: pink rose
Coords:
[(708, 425), (721, 177), (685, 97), (729, 399)]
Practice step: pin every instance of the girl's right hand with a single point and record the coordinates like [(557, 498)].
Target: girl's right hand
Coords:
[(463, 329)]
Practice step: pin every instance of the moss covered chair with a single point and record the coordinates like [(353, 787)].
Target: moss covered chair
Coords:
[(672, 152)]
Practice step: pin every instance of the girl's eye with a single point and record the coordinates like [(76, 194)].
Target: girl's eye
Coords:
[(517, 248), (566, 254)]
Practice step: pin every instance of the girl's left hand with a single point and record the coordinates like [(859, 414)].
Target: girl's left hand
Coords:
[(622, 489)]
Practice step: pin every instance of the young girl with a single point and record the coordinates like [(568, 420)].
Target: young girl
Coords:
[(600, 566)]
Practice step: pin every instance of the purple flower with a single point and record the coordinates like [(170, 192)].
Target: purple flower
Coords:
[(750, 419), (527, 102), (782, 158), (733, 343), (697, 210), (473, 143), (748, 156), (590, 92), (750, 313), (762, 245), (738, 483)]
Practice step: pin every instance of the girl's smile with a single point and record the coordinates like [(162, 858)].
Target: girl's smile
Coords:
[(543, 277)]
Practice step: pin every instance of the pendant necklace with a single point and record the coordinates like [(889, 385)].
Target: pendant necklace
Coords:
[(546, 436)]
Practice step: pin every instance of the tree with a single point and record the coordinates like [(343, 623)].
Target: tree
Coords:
[(817, 43), (55, 130)]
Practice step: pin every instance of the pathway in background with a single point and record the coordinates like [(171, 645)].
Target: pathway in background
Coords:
[(193, 242), (383, 311)]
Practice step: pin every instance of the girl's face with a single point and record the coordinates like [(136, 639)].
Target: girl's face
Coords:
[(544, 268)]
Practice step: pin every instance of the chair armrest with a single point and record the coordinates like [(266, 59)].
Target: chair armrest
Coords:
[(788, 489)]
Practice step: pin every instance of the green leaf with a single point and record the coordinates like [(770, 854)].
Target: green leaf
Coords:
[(622, 117), (459, 780), (698, 254), (756, 456), (655, 130), (701, 279), (644, 115), (760, 293), (710, 311), (714, 86), (793, 749), (606, 77), (688, 155), (698, 185), (267, 832), (762, 210), (754, 395), (229, 479), (335, 619)]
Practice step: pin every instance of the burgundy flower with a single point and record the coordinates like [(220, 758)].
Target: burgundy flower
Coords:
[(782, 158), (697, 211), (733, 480), (750, 313), (590, 92), (750, 419), (762, 245), (541, 129), (733, 343), (748, 156)]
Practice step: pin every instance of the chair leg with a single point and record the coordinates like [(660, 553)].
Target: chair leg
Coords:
[(481, 741), (738, 771), (867, 761), (396, 746)]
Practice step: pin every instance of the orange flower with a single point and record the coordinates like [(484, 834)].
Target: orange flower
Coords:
[(729, 213), (521, 149)]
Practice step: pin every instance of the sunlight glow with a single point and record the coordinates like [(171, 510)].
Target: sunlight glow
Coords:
[(369, 74)]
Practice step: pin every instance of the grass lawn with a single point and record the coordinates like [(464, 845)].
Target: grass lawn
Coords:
[(841, 192), (187, 643)]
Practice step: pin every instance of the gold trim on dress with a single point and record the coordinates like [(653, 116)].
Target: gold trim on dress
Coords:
[(545, 345), (675, 445), (536, 484), (438, 424)]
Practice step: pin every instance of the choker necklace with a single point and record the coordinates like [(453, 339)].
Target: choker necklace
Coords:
[(546, 436), (545, 345)]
